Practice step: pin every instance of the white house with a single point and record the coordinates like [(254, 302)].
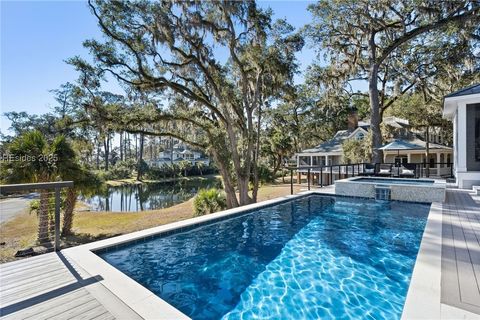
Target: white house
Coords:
[(179, 152), (331, 151), (463, 109)]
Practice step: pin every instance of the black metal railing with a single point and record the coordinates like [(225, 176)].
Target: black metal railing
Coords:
[(327, 174), (47, 190)]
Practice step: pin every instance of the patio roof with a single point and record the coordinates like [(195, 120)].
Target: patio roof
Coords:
[(401, 145), (415, 144)]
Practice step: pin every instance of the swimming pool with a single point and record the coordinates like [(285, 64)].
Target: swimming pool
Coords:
[(314, 257)]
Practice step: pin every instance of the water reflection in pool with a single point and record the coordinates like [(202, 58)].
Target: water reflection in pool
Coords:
[(132, 198)]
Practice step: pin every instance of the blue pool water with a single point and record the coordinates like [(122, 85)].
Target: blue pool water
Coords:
[(395, 181), (315, 257)]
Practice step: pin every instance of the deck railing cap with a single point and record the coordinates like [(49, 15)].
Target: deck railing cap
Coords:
[(31, 186)]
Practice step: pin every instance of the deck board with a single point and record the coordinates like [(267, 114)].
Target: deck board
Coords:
[(52, 287), (460, 280)]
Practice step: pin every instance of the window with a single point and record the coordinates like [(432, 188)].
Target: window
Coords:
[(360, 136)]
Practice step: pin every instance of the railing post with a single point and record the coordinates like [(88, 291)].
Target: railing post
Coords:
[(331, 175), (321, 177), (291, 181), (57, 219), (308, 178)]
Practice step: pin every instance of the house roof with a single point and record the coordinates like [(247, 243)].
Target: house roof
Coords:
[(414, 144), (332, 145), (392, 121), (474, 89)]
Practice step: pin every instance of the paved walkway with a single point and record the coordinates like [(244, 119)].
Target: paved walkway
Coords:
[(51, 287), (10, 208), (460, 285)]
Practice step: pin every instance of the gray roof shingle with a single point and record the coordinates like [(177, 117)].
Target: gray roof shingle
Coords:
[(475, 89)]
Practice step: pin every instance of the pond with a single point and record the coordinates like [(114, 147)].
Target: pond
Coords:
[(148, 196)]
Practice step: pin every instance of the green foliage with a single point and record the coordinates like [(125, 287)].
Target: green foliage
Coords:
[(117, 172), (265, 174), (209, 201), (356, 151), (169, 170), (214, 104), (143, 167), (397, 47)]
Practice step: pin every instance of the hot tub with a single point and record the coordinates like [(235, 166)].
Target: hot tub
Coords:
[(416, 190)]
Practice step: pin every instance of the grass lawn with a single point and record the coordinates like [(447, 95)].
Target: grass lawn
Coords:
[(20, 233)]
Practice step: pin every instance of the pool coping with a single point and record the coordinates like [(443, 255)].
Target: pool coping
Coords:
[(422, 301)]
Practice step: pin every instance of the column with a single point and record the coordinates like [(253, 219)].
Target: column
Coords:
[(409, 157), (326, 160)]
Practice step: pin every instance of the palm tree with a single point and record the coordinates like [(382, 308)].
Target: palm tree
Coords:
[(184, 166), (67, 168), (28, 153), (41, 162), (200, 165)]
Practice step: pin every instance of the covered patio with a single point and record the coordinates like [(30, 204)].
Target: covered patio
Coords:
[(401, 151)]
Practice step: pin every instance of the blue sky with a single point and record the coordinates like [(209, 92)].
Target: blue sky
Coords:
[(37, 37)]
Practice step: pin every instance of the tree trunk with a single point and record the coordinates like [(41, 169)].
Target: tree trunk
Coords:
[(98, 155), (377, 155), (136, 146), (129, 147), (242, 182), (106, 147), (121, 146), (68, 214), (125, 141), (232, 201), (140, 158), (43, 217)]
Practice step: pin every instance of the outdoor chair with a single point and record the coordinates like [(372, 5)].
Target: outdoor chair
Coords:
[(407, 170), (369, 169), (385, 170)]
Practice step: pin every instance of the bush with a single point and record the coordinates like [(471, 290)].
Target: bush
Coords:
[(168, 170), (120, 171), (209, 201), (265, 175)]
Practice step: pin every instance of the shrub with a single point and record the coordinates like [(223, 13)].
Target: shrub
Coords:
[(121, 170), (209, 201), (265, 175)]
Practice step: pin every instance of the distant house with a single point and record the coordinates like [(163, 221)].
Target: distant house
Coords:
[(179, 152), (331, 152), (463, 109)]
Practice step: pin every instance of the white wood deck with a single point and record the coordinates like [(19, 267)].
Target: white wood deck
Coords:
[(460, 284), (51, 287)]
